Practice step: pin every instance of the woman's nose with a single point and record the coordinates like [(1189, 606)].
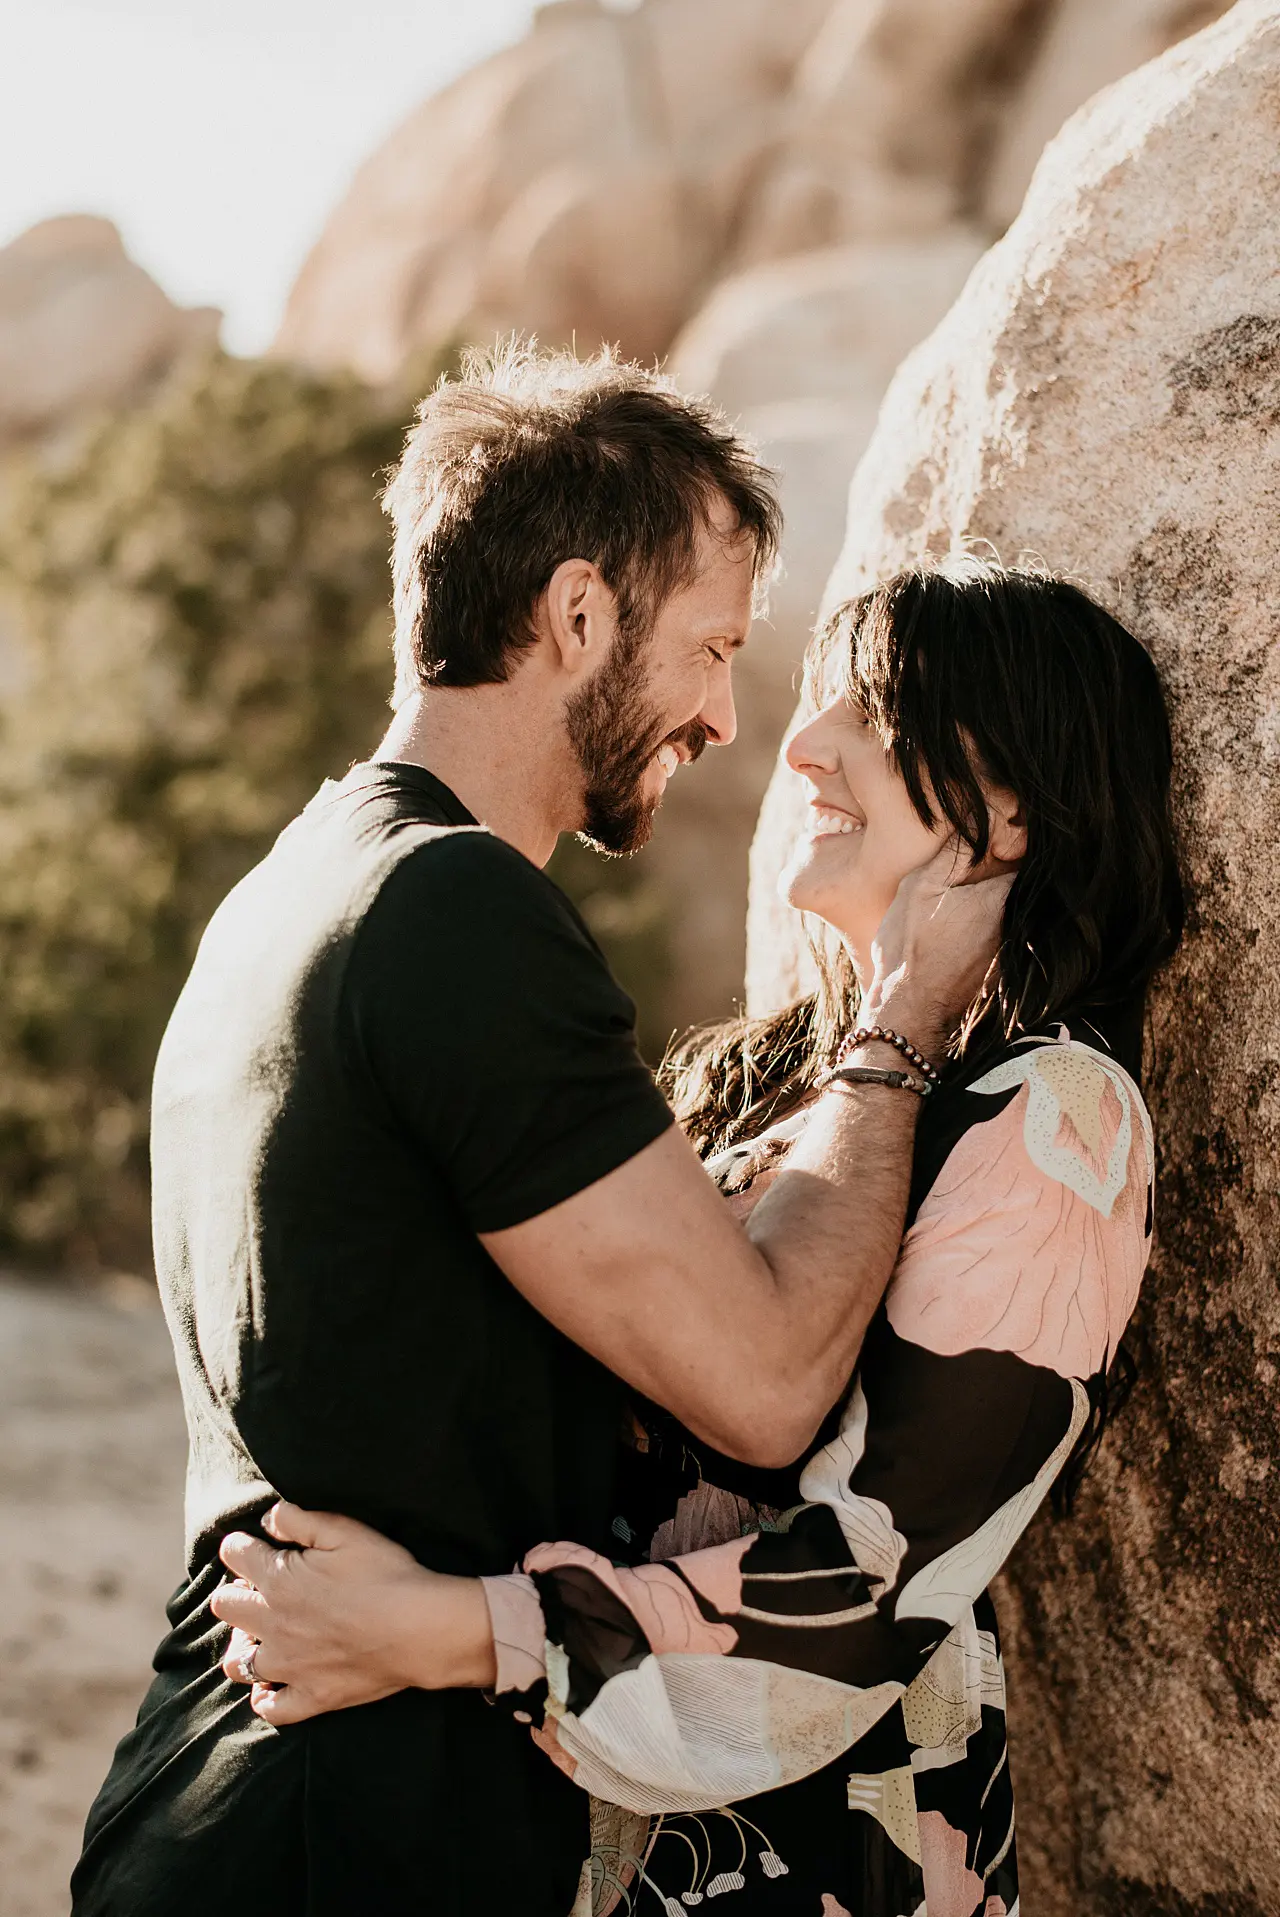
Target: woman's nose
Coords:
[(810, 749)]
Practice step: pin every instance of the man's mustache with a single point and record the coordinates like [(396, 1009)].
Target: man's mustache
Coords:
[(692, 737)]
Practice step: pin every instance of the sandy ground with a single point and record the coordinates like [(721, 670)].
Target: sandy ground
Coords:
[(92, 1450)]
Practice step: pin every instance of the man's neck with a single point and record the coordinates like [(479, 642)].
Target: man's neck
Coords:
[(483, 742)]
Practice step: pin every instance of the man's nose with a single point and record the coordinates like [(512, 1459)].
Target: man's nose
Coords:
[(718, 713)]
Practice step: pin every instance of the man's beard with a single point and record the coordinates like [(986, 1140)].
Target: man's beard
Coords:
[(615, 730)]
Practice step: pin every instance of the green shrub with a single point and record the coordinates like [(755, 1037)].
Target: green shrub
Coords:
[(194, 632), (198, 633)]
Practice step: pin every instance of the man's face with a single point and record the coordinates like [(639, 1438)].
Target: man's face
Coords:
[(662, 696)]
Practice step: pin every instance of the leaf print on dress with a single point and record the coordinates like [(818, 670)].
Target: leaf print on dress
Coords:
[(690, 1733), (889, 1797), (946, 1586), (943, 1708), (876, 1546), (1033, 1238), (951, 1889)]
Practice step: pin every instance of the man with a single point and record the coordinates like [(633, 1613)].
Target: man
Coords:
[(419, 1207)]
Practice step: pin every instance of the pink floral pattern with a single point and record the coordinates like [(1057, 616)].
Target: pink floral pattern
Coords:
[(1003, 1253)]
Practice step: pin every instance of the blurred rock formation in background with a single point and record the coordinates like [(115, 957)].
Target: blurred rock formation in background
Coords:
[(1106, 394), (82, 328)]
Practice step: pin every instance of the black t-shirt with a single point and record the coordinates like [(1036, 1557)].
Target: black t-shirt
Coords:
[(397, 1034)]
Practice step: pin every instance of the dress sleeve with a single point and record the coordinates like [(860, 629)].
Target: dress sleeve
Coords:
[(725, 1671)]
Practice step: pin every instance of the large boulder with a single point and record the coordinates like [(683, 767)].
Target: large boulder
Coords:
[(1106, 394), (582, 183), (82, 327), (1085, 45)]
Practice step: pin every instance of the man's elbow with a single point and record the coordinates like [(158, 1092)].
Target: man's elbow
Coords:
[(778, 1430)]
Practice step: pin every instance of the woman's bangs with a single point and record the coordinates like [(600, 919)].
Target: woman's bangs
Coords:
[(851, 657)]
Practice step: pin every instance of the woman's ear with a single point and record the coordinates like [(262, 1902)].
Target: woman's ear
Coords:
[(1008, 826)]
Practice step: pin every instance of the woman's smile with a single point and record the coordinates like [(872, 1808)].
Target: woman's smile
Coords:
[(832, 821)]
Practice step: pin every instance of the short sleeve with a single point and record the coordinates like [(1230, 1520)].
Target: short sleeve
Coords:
[(489, 1023), (1035, 1236)]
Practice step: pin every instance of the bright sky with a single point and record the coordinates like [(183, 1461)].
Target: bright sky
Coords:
[(217, 134)]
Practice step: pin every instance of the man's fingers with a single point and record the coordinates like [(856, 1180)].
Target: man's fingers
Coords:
[(290, 1705), (315, 1530), (250, 1558), (241, 1606)]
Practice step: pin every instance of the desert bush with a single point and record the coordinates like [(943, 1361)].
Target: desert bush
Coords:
[(197, 633), (194, 633)]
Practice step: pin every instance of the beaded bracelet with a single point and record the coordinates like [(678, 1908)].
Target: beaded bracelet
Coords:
[(875, 1075), (866, 1034)]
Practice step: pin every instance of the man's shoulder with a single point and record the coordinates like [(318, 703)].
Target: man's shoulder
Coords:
[(463, 902), (454, 868)]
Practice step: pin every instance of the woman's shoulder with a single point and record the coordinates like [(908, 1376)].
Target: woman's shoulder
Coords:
[(1082, 1120), (1035, 1226)]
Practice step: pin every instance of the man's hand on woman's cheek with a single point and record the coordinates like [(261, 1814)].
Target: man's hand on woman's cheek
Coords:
[(347, 1618)]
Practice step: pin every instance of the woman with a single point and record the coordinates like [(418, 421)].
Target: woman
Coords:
[(787, 1685)]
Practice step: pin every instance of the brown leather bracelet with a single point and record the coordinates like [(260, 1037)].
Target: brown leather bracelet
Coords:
[(875, 1075), (882, 1035)]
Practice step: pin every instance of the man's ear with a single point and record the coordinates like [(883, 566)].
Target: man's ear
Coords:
[(1008, 826), (577, 615)]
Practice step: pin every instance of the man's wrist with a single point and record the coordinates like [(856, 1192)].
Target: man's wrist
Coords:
[(909, 1014)]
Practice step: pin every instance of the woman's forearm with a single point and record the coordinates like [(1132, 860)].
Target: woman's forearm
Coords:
[(446, 1640)]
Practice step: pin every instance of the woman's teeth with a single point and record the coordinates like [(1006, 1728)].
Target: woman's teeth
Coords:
[(668, 758), (826, 825)]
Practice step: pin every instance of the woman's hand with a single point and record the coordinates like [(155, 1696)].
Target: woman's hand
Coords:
[(347, 1619), (936, 947)]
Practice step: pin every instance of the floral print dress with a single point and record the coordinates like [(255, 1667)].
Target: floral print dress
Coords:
[(786, 1689)]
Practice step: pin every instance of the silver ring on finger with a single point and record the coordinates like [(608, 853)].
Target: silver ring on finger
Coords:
[(249, 1664)]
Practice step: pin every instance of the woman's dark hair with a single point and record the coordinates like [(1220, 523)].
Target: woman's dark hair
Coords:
[(976, 673)]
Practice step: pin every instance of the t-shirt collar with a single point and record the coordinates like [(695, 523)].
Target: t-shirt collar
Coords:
[(371, 772)]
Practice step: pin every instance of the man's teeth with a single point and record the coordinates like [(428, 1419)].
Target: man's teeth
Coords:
[(827, 824), (668, 758)]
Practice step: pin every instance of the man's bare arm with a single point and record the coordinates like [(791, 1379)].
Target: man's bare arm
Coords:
[(749, 1336)]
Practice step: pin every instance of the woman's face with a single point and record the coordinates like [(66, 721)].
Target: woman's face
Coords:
[(863, 834)]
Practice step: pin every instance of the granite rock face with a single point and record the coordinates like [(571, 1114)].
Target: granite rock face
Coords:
[(1081, 47), (1106, 395), (82, 326)]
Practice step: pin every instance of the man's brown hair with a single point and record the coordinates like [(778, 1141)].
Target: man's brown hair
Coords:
[(530, 458)]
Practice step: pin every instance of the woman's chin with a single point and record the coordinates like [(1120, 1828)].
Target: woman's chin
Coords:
[(807, 889)]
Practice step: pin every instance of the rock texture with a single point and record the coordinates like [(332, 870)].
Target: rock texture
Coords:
[(1106, 394), (584, 183), (82, 326), (1083, 46)]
